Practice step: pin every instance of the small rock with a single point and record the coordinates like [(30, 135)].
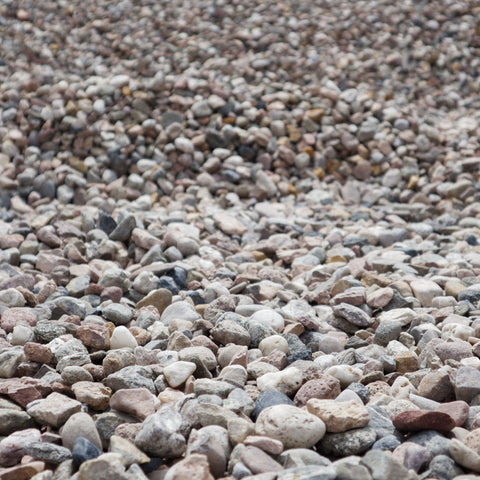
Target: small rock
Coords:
[(291, 425), (339, 416)]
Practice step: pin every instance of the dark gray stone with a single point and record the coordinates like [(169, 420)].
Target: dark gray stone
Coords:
[(83, 450), (268, 399)]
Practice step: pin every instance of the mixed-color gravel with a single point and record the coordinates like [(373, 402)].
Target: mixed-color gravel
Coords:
[(239, 239)]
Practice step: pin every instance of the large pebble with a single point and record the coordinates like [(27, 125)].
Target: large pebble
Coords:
[(294, 427), (339, 416)]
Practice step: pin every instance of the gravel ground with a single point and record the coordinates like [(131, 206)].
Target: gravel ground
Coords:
[(239, 240)]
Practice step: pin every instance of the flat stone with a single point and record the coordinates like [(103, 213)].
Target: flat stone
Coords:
[(351, 442), (464, 456), (48, 452), (15, 316), (353, 315), (425, 291), (257, 461), (415, 420), (12, 420), (138, 402), (229, 224), (95, 395), (54, 410), (339, 416)]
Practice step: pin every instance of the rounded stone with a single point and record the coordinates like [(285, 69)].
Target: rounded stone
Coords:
[(294, 427)]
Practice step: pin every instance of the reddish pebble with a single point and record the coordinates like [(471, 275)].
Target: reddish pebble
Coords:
[(415, 420)]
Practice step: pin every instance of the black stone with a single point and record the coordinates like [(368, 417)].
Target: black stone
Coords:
[(168, 283), (247, 152), (197, 299), (215, 139), (471, 240), (179, 276), (83, 450), (268, 399), (470, 295), (106, 223), (152, 465)]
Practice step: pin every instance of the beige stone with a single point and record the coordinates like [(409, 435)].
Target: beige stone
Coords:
[(464, 456), (339, 416), (95, 395)]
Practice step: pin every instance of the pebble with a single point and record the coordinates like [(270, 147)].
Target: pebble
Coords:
[(160, 434), (54, 410), (294, 427), (80, 425), (339, 416)]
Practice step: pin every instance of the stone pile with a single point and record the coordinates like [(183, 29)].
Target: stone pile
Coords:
[(239, 240)]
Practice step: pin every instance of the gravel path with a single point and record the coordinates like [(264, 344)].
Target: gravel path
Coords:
[(239, 240)]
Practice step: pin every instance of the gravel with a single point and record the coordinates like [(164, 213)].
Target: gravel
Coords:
[(224, 227)]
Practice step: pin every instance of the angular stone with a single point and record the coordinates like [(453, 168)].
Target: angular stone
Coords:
[(83, 450), (129, 452), (138, 402), (194, 467), (353, 315), (160, 434), (54, 410), (458, 410), (339, 416), (48, 452), (382, 465), (177, 373), (436, 385), (467, 383), (95, 395), (107, 465), (425, 291), (13, 447)]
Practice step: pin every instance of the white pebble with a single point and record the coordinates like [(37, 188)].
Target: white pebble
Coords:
[(122, 338)]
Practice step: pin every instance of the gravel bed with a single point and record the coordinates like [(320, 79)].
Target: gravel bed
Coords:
[(239, 240)]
